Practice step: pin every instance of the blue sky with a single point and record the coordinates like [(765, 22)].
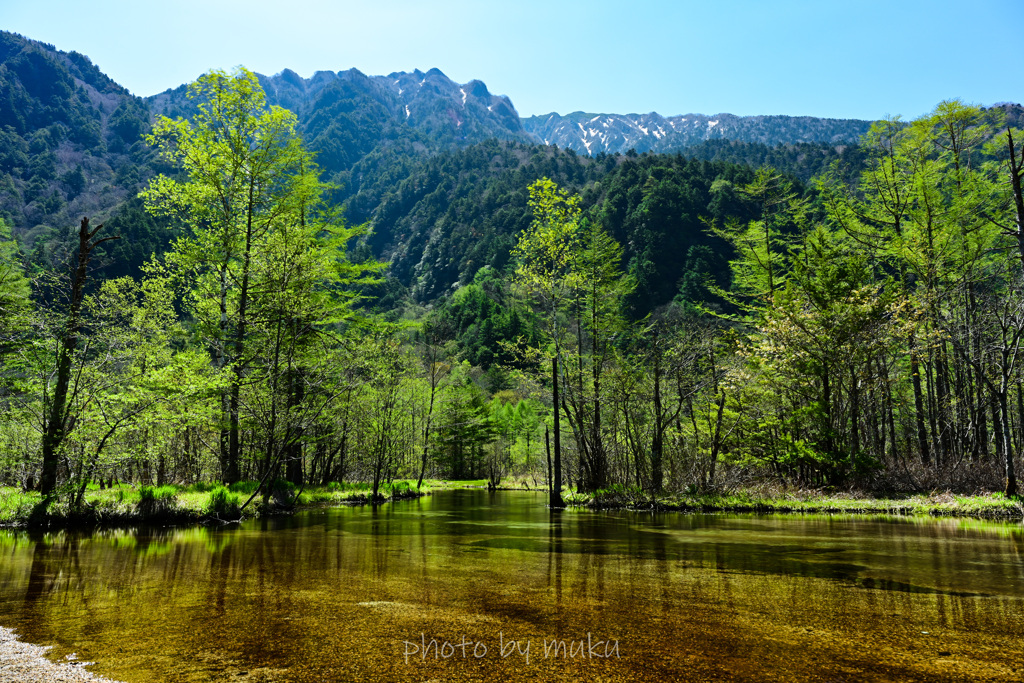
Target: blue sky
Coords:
[(801, 57)]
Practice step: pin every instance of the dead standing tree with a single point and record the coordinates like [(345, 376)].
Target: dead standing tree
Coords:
[(56, 426)]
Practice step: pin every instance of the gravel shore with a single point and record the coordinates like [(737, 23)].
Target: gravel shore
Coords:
[(27, 662)]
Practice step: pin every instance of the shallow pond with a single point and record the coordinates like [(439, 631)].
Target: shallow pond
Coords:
[(440, 588)]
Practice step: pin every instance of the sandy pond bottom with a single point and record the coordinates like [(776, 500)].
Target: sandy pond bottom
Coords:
[(438, 589)]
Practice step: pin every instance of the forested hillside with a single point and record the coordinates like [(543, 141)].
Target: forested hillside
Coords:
[(382, 279), (73, 144), (70, 140)]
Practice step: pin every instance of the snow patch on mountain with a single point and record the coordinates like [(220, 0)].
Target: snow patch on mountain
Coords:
[(616, 133)]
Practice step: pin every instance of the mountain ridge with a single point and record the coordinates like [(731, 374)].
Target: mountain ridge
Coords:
[(593, 133), (71, 145), (416, 95)]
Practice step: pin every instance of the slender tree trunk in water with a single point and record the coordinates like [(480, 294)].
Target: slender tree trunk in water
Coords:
[(556, 491), (56, 419)]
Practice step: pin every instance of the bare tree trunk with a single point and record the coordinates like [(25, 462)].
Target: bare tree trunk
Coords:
[(922, 433), (1016, 171), (658, 441), (57, 418), (547, 445), (556, 489), (1010, 473)]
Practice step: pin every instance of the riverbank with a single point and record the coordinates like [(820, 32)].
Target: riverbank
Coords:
[(213, 504), (21, 662), (934, 504), (125, 505)]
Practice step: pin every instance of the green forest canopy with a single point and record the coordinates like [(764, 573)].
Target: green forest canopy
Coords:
[(708, 320)]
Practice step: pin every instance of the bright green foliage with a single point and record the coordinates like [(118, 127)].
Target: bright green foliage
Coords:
[(809, 358), (762, 246), (482, 315), (15, 430), (600, 290), (263, 263), (546, 253), (223, 503), (525, 428), (922, 200), (384, 401), (571, 269), (129, 392), (465, 426), (872, 321), (14, 286), (921, 210)]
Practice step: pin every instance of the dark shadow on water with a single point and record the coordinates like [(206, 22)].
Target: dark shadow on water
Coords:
[(743, 558)]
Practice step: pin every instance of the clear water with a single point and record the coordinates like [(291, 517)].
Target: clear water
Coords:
[(361, 593)]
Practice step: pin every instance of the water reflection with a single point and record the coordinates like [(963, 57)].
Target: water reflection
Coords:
[(332, 595)]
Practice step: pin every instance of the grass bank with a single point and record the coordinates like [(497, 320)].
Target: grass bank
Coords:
[(123, 505), (936, 504)]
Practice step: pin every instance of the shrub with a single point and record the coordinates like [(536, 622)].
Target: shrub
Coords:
[(348, 486), (395, 488), (154, 500), (224, 502), (153, 494), (283, 492)]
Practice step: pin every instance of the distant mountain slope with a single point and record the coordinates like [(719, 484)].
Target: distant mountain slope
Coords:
[(610, 133), (348, 116), (70, 138), (440, 168), (356, 122)]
